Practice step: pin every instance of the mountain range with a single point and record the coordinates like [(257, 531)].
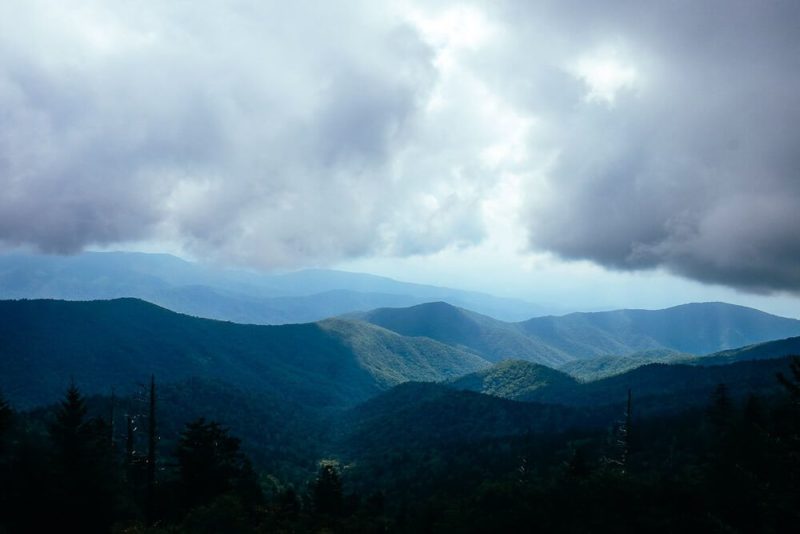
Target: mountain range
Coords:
[(227, 294), (699, 328), (340, 362), (345, 387), (119, 343)]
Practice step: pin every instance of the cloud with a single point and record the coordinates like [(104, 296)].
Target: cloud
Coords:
[(685, 153), (637, 135), (261, 133)]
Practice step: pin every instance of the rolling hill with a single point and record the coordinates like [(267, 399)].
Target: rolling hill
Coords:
[(119, 343), (492, 339), (692, 328), (423, 415), (513, 379), (606, 366), (699, 328), (657, 388)]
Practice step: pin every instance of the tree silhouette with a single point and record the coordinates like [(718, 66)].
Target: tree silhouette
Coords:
[(792, 385), (326, 492), (68, 431), (152, 440), (6, 415), (211, 464), (82, 467)]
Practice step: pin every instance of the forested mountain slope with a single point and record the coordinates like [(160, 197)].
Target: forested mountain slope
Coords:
[(117, 343)]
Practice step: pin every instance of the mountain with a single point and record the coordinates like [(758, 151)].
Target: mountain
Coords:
[(657, 388), (492, 339), (691, 328), (606, 366), (699, 328), (759, 351), (117, 343), (513, 379), (228, 294), (422, 415)]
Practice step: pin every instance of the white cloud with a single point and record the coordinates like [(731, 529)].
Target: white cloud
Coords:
[(275, 134)]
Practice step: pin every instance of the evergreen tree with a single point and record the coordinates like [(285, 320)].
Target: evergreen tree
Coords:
[(6, 416), (152, 440), (326, 492), (82, 488), (68, 431), (211, 464), (720, 412), (792, 385)]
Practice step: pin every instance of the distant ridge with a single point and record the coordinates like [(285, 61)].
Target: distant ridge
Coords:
[(513, 379), (607, 366), (657, 387), (492, 339), (229, 294), (697, 329)]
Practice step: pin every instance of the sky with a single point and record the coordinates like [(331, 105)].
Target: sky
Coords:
[(589, 154)]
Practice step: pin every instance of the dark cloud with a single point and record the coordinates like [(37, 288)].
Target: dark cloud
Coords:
[(286, 134), (696, 168), (260, 133)]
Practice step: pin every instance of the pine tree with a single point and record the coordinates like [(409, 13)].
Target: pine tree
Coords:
[(326, 492), (83, 472), (111, 417), (792, 385), (720, 412), (152, 441), (68, 431), (6, 414), (210, 463)]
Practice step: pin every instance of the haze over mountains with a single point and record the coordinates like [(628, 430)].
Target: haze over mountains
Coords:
[(407, 396), (226, 294), (336, 362), (692, 328), (362, 382)]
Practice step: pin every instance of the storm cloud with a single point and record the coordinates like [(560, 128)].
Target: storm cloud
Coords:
[(692, 164), (639, 135), (267, 133)]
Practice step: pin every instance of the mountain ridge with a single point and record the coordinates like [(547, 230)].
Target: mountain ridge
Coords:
[(117, 343), (228, 294), (695, 328)]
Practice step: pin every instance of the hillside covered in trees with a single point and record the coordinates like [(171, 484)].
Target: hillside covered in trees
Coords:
[(120, 416)]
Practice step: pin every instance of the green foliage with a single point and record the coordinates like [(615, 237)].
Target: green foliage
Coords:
[(659, 388), (6, 417), (691, 329), (122, 342), (491, 339), (418, 457), (430, 458), (82, 461), (326, 492), (792, 385), (513, 379), (607, 366), (210, 464)]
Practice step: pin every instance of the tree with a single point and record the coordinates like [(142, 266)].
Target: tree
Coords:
[(210, 464), (152, 440), (720, 412), (83, 471), (326, 491), (6, 415), (68, 431), (792, 385)]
